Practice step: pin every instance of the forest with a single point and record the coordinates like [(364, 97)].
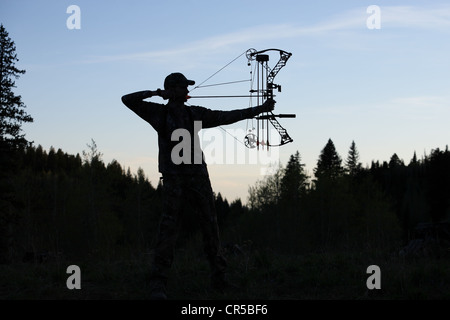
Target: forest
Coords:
[(60, 209), (296, 237), (55, 203)]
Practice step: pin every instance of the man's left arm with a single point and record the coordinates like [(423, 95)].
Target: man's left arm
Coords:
[(214, 118)]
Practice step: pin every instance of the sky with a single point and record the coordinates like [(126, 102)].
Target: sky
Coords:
[(379, 76)]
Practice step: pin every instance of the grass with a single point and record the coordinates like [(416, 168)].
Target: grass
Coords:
[(258, 274)]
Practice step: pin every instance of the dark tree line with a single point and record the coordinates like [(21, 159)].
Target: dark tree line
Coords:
[(347, 206), (420, 191), (80, 207)]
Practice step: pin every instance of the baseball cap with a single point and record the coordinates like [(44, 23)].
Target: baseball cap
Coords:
[(176, 79)]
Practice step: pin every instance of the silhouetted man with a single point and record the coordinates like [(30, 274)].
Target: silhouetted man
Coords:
[(184, 171)]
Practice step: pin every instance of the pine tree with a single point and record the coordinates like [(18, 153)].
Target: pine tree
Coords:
[(352, 163), (294, 181), (12, 113), (12, 116), (329, 164), (438, 184), (414, 160), (395, 161)]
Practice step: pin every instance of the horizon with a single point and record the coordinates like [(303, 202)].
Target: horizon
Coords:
[(309, 172)]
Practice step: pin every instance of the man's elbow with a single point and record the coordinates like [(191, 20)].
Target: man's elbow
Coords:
[(125, 100)]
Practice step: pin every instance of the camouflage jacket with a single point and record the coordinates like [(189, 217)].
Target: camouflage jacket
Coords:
[(165, 119)]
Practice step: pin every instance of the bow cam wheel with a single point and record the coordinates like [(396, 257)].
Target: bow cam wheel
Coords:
[(250, 54), (250, 141)]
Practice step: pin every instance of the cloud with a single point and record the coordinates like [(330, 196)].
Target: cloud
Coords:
[(201, 47), (435, 102), (437, 18), (392, 18), (407, 112)]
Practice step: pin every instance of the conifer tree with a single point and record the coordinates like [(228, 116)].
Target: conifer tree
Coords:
[(438, 184), (329, 164), (352, 163), (395, 162), (12, 113), (294, 181), (414, 160)]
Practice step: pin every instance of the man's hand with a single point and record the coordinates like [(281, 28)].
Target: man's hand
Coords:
[(165, 94), (268, 105)]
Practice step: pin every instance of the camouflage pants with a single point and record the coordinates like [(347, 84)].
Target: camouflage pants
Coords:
[(179, 191)]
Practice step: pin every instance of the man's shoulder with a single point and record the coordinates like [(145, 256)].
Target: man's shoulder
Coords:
[(152, 112), (154, 106), (198, 110)]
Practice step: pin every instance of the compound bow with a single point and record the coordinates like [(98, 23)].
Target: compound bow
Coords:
[(265, 87), (264, 91)]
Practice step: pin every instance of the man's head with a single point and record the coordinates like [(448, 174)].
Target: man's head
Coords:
[(177, 80), (176, 84)]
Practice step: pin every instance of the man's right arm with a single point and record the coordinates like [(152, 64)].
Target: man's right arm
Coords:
[(135, 100), (145, 110)]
